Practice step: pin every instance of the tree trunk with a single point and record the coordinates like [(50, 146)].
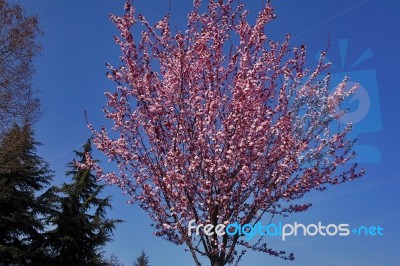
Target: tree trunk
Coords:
[(216, 262)]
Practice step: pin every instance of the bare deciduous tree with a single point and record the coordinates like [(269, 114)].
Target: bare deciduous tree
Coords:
[(18, 46)]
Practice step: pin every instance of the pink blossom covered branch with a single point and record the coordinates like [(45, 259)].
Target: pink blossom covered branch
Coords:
[(218, 123)]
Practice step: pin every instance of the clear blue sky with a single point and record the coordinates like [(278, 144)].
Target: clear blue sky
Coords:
[(78, 41)]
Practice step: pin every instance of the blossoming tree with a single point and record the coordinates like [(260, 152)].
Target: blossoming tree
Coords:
[(220, 124)]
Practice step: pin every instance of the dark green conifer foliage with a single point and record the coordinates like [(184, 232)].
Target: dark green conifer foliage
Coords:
[(22, 174), (142, 260), (78, 217)]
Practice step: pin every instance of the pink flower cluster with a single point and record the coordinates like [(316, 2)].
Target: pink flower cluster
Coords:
[(219, 123)]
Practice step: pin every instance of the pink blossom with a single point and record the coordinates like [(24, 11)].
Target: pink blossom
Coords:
[(230, 127)]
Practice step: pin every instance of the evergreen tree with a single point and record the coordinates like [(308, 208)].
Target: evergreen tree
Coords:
[(22, 173), (78, 217), (142, 260), (112, 261)]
